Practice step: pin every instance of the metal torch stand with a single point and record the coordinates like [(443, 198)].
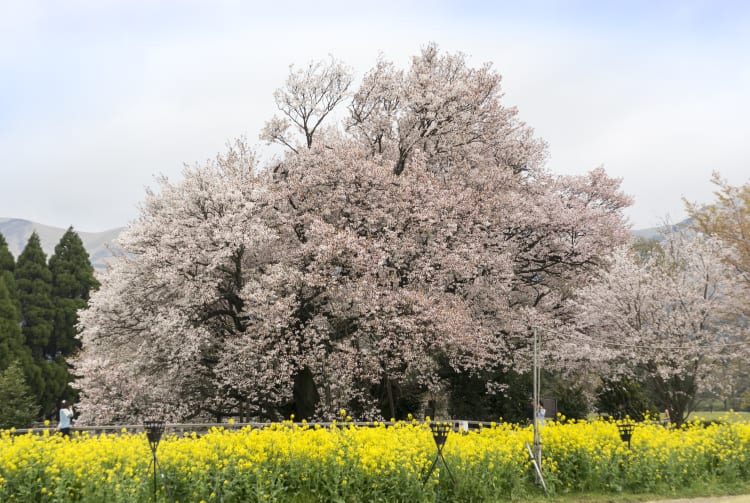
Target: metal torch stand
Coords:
[(154, 430), (440, 434)]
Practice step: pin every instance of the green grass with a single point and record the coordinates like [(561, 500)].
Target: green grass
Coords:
[(717, 415), (731, 416), (699, 492)]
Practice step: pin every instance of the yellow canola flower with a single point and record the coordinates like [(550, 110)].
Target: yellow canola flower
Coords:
[(228, 465)]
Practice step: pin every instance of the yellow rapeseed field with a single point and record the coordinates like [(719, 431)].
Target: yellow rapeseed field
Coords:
[(348, 463)]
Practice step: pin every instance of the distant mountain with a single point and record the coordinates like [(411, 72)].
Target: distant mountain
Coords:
[(658, 232), (17, 233)]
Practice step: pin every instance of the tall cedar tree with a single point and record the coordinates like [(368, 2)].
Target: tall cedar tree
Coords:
[(7, 268), (34, 285), (72, 280), (12, 348), (6, 258), (19, 409), (11, 337)]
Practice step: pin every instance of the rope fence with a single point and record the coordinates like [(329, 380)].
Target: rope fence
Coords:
[(182, 429)]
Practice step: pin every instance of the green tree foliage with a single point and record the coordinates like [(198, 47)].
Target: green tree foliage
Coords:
[(18, 406), (647, 248), (47, 376), (470, 398), (56, 377), (38, 314), (6, 258), (7, 270), (676, 393), (11, 336), (745, 401), (624, 397), (569, 394), (72, 280), (12, 344), (502, 393), (34, 286)]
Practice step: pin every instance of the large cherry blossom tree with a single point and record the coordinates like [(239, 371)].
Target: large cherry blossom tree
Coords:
[(668, 315), (422, 230)]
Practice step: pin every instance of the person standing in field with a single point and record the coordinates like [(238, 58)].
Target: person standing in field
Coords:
[(541, 412), (66, 417)]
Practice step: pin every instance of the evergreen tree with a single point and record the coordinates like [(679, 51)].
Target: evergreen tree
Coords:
[(56, 378), (11, 336), (18, 408), (72, 280), (7, 269), (12, 347), (6, 258), (46, 377), (34, 286)]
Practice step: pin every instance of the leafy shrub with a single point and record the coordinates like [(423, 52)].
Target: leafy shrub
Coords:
[(620, 398)]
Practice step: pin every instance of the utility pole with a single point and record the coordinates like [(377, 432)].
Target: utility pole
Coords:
[(536, 385), (535, 453)]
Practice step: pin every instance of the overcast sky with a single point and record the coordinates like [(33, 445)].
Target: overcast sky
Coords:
[(98, 97)]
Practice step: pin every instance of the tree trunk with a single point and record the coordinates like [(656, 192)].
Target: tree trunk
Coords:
[(389, 392), (305, 395)]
